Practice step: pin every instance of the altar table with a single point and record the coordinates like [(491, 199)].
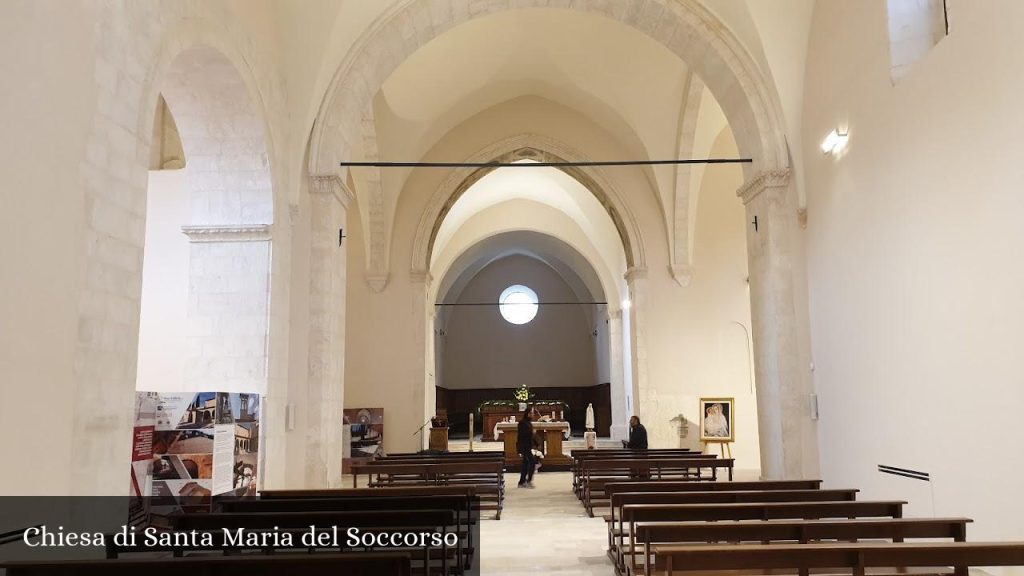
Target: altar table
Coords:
[(552, 433)]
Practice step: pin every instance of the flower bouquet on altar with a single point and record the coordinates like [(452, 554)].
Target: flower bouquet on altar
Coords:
[(523, 395)]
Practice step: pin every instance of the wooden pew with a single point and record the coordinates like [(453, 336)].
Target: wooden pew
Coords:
[(373, 564), (610, 487), (800, 531), (456, 455), (675, 468), (854, 557), (367, 521), (464, 491), (463, 507), (468, 490), (621, 499), (631, 514), (488, 477), (436, 459), (578, 456)]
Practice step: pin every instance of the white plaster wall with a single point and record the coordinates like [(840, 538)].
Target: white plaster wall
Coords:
[(228, 316), (163, 327), (483, 350), (914, 261), (696, 338), (41, 218), (77, 119)]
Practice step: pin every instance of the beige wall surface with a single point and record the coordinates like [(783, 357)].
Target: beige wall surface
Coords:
[(45, 130), (697, 337), (483, 350), (914, 260), (75, 153), (163, 320)]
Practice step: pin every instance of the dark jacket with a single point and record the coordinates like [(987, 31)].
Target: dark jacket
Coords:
[(638, 438), (524, 441)]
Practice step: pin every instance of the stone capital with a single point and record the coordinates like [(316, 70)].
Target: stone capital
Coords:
[(764, 180), (421, 276), (217, 233), (331, 185), (635, 273), (377, 282), (615, 314), (681, 273)]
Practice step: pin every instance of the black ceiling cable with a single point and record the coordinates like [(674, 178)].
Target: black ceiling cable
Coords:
[(518, 303), (557, 164)]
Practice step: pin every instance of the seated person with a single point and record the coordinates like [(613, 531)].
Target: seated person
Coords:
[(637, 435)]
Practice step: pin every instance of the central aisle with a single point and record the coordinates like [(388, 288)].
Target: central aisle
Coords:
[(543, 531)]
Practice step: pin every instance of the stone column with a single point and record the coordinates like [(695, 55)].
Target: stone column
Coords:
[(782, 391), (324, 401), (620, 425), (424, 393), (636, 280)]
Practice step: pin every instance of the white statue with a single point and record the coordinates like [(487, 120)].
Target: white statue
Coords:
[(590, 416)]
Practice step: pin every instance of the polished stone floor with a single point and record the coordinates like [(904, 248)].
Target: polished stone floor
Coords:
[(543, 531)]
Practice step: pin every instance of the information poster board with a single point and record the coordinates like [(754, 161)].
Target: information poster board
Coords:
[(366, 428), (195, 444)]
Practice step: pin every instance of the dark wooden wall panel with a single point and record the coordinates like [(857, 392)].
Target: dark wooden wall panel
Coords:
[(460, 403)]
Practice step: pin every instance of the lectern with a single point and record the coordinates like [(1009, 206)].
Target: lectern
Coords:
[(438, 438)]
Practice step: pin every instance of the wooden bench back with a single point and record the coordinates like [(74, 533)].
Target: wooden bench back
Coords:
[(615, 486), (647, 535), (346, 519), (644, 464), (723, 496), (467, 489), (477, 454), (761, 511), (846, 556), (802, 530), (390, 563), (429, 502)]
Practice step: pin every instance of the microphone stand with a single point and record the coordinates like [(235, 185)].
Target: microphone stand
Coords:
[(420, 432)]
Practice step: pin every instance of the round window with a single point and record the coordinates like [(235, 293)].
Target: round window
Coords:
[(518, 304)]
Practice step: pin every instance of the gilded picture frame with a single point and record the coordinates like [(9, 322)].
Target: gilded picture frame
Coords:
[(717, 420)]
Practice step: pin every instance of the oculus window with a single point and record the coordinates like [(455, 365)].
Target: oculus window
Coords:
[(518, 304)]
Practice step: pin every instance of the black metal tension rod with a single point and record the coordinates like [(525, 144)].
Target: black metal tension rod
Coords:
[(517, 303), (544, 164)]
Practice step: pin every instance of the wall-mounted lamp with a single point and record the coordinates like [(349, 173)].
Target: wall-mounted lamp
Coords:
[(626, 304), (835, 142)]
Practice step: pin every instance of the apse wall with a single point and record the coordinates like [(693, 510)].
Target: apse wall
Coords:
[(914, 261), (483, 350)]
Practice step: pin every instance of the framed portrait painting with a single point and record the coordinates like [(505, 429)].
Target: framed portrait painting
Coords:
[(716, 420)]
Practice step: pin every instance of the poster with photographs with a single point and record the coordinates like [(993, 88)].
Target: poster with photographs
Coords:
[(716, 420), (366, 428), (195, 444)]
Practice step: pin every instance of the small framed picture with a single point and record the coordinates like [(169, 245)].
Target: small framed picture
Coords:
[(716, 420)]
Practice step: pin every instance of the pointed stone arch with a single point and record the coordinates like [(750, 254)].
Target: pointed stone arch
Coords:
[(684, 27), (526, 147)]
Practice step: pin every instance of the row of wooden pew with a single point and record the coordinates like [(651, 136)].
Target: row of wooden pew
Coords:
[(485, 471), (685, 524), (592, 469), (452, 509)]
